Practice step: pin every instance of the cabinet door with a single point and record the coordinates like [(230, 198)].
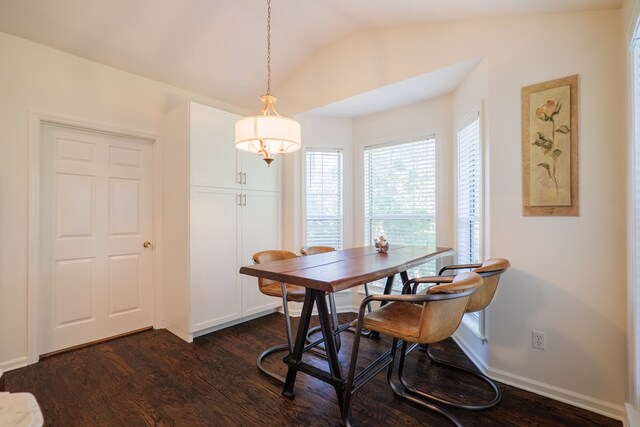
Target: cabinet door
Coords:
[(215, 286), (213, 152), (259, 176), (260, 231)]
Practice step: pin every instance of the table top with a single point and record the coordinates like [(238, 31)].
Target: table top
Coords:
[(344, 269)]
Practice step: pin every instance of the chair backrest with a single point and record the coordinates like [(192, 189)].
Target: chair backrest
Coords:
[(491, 270), (268, 256), (441, 317), (312, 250)]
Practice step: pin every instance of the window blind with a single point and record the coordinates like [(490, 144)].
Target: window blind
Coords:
[(468, 194), (324, 194), (400, 195)]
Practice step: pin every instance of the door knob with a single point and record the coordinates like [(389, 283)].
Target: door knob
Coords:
[(146, 244)]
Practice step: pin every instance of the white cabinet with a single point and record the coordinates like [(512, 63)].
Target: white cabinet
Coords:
[(259, 211), (217, 164), (216, 296), (219, 206)]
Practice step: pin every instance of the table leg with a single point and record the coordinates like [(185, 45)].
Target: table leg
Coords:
[(327, 334), (332, 357), (295, 357), (387, 287), (294, 360), (387, 290), (404, 276), (334, 319)]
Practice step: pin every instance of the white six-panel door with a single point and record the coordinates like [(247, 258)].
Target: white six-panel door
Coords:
[(96, 214)]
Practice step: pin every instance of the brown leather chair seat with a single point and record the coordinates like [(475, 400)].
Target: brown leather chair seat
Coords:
[(412, 318)]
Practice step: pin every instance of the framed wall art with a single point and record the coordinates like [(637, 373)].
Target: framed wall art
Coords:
[(550, 148)]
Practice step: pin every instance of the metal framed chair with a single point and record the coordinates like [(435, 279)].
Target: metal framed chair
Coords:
[(490, 271), (287, 292), (411, 318)]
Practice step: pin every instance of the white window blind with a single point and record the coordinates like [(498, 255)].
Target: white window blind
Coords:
[(400, 195), (324, 194), (468, 194)]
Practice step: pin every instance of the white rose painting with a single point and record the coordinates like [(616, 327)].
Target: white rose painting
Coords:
[(549, 130), (550, 148)]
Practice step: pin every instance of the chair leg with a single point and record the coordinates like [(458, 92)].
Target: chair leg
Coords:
[(287, 319), (468, 406), (349, 386), (365, 333), (281, 347), (267, 352), (334, 318), (398, 392)]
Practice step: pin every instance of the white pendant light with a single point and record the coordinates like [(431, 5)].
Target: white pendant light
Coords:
[(268, 133)]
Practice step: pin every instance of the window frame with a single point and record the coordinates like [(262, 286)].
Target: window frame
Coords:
[(464, 124), (376, 287), (330, 149), (475, 322)]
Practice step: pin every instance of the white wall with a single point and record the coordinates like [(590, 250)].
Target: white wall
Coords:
[(630, 11), (34, 77), (405, 124), (569, 274), (470, 98), (317, 132)]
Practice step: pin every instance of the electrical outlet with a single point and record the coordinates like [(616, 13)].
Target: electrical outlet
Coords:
[(539, 340)]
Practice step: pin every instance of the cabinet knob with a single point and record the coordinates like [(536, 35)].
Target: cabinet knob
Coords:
[(146, 244)]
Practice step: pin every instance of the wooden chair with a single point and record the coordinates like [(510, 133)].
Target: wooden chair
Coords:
[(410, 318), (490, 270), (287, 292)]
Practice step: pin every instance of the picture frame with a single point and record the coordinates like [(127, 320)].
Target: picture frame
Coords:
[(550, 158)]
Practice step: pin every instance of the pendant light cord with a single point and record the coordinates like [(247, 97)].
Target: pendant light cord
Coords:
[(268, 47)]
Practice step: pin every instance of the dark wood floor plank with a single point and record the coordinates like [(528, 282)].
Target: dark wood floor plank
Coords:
[(155, 379)]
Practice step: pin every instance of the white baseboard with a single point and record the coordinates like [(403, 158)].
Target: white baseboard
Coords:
[(189, 336), (567, 396), (231, 323), (344, 304), (631, 416), (10, 365), (179, 332), (467, 348)]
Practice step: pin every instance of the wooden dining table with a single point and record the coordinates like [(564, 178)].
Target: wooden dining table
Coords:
[(332, 272)]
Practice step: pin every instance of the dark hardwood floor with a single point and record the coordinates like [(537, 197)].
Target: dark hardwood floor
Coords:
[(153, 378)]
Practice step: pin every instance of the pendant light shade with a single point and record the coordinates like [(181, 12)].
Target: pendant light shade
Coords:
[(281, 134), (268, 133)]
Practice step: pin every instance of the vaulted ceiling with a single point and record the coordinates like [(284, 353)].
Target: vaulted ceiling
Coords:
[(218, 47)]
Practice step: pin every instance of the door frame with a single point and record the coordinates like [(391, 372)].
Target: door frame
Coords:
[(36, 120)]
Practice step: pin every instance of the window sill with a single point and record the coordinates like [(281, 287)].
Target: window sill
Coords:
[(376, 290)]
